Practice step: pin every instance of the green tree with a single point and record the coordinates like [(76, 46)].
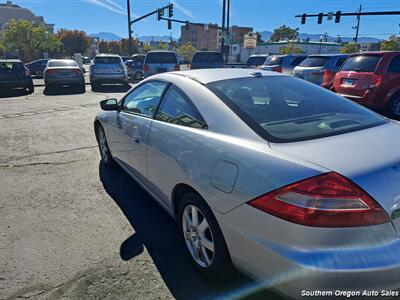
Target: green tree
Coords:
[(28, 38), (187, 51), (74, 41), (284, 33), (103, 47), (350, 48), (259, 37), (392, 44), (290, 49)]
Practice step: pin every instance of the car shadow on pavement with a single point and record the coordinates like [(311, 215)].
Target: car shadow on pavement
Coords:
[(112, 88), (4, 93), (63, 90), (159, 234)]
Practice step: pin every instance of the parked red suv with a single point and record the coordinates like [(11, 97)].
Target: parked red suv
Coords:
[(371, 79)]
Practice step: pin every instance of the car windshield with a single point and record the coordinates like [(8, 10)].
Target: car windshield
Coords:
[(62, 63), (211, 57), (314, 61), (161, 58), (361, 63), (274, 60), (256, 60), (287, 109), (11, 67), (107, 60)]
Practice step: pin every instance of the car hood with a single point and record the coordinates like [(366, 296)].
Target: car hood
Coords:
[(370, 158)]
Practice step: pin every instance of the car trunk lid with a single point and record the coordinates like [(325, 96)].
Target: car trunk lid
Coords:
[(353, 83), (108, 68), (370, 158), (11, 71), (312, 74)]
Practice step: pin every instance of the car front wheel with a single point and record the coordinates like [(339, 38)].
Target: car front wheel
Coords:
[(103, 146), (203, 239)]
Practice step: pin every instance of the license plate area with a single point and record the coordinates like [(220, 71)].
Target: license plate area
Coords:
[(348, 82)]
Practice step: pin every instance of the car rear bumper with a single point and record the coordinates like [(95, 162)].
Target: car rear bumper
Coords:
[(24, 83), (293, 258), (66, 81), (370, 98), (108, 78)]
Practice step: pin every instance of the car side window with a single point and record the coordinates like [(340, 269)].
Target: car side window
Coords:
[(340, 62), (176, 108), (144, 99), (394, 66), (297, 61)]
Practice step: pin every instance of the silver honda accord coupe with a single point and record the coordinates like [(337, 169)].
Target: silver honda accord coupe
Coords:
[(266, 174)]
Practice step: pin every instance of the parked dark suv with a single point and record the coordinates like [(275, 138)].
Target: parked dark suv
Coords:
[(372, 79), (207, 60), (14, 75), (37, 67)]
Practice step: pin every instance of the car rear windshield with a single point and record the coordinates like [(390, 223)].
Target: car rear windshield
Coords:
[(287, 109), (11, 67), (161, 58), (211, 57), (256, 60), (314, 61), (107, 60), (62, 63), (361, 63), (274, 60)]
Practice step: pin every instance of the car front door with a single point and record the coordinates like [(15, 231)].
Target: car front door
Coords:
[(131, 126)]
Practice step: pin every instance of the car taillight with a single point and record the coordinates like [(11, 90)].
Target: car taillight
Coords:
[(327, 200), (177, 68), (376, 81), (277, 69), (145, 68), (77, 71), (328, 78), (50, 71)]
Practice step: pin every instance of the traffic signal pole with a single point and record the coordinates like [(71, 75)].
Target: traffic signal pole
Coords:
[(128, 5), (358, 25), (223, 26)]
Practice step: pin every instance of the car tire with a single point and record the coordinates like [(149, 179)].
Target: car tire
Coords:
[(82, 88), (217, 264), (393, 109), (105, 152), (126, 85), (137, 76), (30, 89), (94, 86)]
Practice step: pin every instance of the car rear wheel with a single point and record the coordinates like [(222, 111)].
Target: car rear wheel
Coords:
[(103, 146), (138, 75), (394, 107), (203, 240), (30, 89)]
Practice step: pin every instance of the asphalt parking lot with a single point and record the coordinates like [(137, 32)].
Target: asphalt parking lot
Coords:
[(72, 228)]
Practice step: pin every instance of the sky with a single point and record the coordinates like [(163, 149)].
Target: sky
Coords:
[(95, 16)]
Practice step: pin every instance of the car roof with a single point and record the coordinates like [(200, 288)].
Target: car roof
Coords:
[(64, 59), (11, 60), (155, 51), (205, 76), (376, 53), (208, 52), (107, 55), (329, 55), (260, 55)]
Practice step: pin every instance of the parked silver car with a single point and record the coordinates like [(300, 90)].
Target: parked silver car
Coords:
[(261, 174), (283, 63), (60, 72), (160, 62), (320, 69), (108, 68), (256, 60)]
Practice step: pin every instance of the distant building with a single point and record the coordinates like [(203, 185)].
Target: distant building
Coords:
[(9, 11), (208, 36), (312, 47), (370, 47)]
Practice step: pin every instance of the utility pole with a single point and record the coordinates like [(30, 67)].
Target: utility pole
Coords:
[(358, 24), (227, 29), (223, 26), (129, 27)]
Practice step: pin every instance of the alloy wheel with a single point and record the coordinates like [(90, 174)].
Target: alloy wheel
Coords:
[(396, 107), (103, 145), (198, 236)]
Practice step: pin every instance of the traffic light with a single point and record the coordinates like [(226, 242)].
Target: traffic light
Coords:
[(187, 25), (320, 16), (160, 14), (169, 24), (303, 19), (337, 16), (170, 10)]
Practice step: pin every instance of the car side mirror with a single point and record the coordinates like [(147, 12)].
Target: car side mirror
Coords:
[(109, 104)]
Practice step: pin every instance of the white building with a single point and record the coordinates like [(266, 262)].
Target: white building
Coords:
[(312, 47)]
